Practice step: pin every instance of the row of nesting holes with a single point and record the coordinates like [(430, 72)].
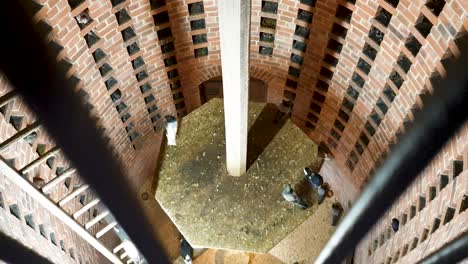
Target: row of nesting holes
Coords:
[(457, 169), (29, 220), (94, 42), (396, 78), (166, 41), (45, 30), (139, 67), (335, 44), (299, 47)]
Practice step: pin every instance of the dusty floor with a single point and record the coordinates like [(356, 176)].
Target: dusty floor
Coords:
[(215, 210)]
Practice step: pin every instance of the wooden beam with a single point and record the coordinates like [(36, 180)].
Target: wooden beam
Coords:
[(52, 183), (234, 28), (96, 219), (72, 195), (39, 160), (105, 229), (85, 208), (20, 135)]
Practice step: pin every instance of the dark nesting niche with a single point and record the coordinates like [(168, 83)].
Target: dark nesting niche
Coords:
[(196, 8), (393, 3), (170, 61), (269, 7), (423, 25), (110, 83), (137, 63), (364, 66), (326, 73), (98, 55), (315, 108), (413, 45), (358, 80), (161, 18), (339, 30), (91, 38), (335, 45), (344, 13), (389, 93), (396, 79), (133, 48), (339, 125), (312, 117), (353, 93), (128, 34), (172, 74), (369, 128), (302, 32), (376, 35), (289, 95), (145, 87), (295, 72), (267, 37), (299, 45), (141, 76), (201, 38), (435, 6), (322, 86), (157, 3), (201, 52), (105, 69), (383, 16), (309, 2), (164, 33), (330, 60), (297, 59), (369, 51), (268, 22), (404, 63), (168, 47), (305, 16), (197, 24), (343, 115)]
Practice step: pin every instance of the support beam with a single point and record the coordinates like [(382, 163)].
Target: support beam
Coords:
[(72, 195), (234, 27), (118, 248), (85, 208), (20, 135), (96, 219), (105, 229), (52, 183), (39, 160), (61, 215), (123, 255)]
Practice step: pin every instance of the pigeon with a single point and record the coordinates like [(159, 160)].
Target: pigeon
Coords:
[(313, 178), (292, 197), (83, 19), (171, 130), (321, 194), (186, 251), (336, 213)]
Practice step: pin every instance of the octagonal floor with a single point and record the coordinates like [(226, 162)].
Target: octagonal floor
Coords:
[(248, 213)]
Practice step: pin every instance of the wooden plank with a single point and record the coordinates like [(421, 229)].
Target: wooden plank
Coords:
[(105, 229), (96, 219), (85, 208), (20, 135), (72, 195), (39, 160), (52, 183)]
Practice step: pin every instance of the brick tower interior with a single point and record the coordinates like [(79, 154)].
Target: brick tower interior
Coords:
[(354, 70)]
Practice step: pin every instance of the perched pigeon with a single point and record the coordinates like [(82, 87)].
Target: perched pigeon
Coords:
[(321, 194), (336, 213), (171, 130), (186, 251), (292, 197), (313, 178)]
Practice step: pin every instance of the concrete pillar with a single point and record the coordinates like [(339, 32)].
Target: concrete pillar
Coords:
[(234, 28)]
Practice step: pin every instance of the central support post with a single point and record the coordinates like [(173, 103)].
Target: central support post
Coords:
[(234, 27)]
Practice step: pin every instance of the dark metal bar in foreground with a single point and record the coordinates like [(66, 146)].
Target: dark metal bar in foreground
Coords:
[(31, 69), (453, 252), (439, 120)]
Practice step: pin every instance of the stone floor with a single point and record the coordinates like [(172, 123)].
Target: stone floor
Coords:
[(248, 213)]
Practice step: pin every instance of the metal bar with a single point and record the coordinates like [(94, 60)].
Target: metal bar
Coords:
[(4, 100), (15, 252), (51, 96), (52, 183), (73, 194), (96, 219), (105, 229), (39, 160), (444, 114), (43, 200), (85, 208), (20, 135), (453, 252)]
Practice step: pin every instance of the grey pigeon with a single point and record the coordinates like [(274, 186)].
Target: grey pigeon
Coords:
[(292, 197)]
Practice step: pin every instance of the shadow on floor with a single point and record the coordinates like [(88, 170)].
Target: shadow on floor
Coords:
[(262, 132)]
